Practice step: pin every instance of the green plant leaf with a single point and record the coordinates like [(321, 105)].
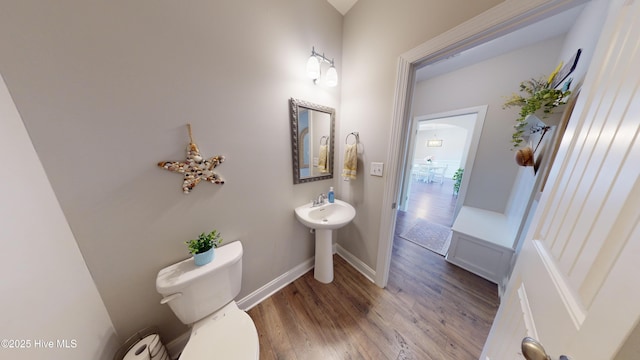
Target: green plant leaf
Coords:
[(540, 96), (204, 242)]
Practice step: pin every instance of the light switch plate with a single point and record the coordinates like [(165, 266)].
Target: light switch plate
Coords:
[(376, 168)]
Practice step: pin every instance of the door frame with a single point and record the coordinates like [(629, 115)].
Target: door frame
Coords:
[(493, 23), (474, 141)]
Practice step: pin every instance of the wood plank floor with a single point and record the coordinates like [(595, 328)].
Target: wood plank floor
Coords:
[(429, 310), (432, 201)]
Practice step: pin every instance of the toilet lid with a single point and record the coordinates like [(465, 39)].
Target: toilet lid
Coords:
[(226, 335)]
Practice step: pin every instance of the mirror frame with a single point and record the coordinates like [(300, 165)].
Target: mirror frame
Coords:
[(295, 105)]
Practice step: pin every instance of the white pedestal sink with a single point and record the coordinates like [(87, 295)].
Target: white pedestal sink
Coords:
[(324, 219)]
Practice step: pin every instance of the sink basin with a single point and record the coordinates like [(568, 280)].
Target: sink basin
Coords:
[(324, 219), (328, 216)]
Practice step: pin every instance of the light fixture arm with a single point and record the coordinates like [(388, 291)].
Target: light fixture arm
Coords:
[(313, 68), (321, 56)]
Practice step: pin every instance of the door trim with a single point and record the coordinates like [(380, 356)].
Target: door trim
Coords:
[(493, 23), (474, 136)]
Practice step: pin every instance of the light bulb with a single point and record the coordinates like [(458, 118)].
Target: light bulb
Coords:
[(331, 78), (313, 67)]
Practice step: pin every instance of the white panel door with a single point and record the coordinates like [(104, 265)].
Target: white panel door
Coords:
[(576, 284)]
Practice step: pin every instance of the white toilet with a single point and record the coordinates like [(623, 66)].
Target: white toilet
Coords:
[(202, 296)]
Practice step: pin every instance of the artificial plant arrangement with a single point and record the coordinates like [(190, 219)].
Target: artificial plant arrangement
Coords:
[(204, 242), (538, 95)]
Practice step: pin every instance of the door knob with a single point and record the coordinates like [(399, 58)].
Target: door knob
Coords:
[(533, 350)]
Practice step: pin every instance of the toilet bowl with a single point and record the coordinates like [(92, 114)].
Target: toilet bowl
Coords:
[(202, 297)]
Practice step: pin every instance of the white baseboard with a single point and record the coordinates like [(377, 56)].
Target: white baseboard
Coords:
[(176, 346), (363, 268), (253, 299)]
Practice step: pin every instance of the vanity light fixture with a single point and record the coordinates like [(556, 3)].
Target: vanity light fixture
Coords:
[(313, 68)]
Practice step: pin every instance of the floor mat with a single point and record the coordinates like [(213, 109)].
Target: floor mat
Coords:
[(431, 236)]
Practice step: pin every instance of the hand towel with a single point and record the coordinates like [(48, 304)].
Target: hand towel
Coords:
[(350, 162), (322, 161)]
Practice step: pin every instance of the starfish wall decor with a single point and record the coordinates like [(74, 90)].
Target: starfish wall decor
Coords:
[(195, 168)]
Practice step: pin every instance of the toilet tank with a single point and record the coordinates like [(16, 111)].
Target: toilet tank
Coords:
[(194, 292)]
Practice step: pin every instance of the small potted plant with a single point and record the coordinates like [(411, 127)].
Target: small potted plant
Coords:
[(539, 98), (202, 247), (457, 180)]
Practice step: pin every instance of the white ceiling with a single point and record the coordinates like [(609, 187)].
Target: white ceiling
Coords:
[(545, 29), (342, 5)]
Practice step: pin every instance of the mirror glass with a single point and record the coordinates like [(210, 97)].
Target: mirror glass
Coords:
[(312, 130)]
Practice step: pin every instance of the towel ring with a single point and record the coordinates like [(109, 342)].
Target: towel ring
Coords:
[(326, 140), (355, 134)]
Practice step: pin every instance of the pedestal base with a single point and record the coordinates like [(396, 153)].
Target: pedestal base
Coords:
[(323, 271)]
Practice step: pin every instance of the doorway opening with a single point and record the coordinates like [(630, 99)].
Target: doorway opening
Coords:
[(435, 163), (488, 26)]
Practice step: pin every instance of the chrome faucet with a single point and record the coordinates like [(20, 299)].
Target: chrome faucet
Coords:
[(320, 200)]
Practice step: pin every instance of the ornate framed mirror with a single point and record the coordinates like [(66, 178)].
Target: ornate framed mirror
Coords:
[(312, 140)]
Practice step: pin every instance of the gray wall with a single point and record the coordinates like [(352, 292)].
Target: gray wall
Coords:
[(376, 33), (48, 293), (489, 83), (105, 90)]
